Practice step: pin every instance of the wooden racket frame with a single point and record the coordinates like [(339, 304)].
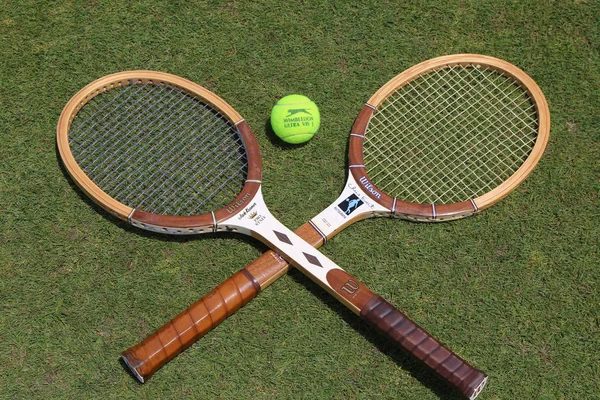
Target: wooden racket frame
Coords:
[(444, 212), (399, 208), (164, 223)]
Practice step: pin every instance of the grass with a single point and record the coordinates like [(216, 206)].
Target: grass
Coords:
[(513, 290)]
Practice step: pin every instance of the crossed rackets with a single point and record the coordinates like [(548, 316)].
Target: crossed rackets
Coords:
[(443, 140)]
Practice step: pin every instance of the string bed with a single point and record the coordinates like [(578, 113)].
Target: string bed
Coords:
[(450, 135), (157, 149)]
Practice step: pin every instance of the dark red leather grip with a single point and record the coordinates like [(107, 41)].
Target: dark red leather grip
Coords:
[(416, 341)]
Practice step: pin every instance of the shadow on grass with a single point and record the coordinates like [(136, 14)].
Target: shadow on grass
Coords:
[(383, 344)]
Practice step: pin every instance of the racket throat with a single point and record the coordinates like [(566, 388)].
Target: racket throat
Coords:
[(247, 219), (352, 205)]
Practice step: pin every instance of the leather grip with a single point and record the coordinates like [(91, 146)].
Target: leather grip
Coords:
[(145, 358), (415, 340)]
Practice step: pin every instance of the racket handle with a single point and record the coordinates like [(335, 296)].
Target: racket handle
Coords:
[(147, 357), (411, 337)]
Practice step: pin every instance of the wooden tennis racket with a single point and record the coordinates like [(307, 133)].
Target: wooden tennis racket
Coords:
[(143, 145)]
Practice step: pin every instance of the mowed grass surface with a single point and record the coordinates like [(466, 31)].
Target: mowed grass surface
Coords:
[(513, 290)]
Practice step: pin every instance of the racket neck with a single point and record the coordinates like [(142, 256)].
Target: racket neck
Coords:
[(352, 205), (256, 220)]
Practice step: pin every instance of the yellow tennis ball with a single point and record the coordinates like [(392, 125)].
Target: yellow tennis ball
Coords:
[(295, 119)]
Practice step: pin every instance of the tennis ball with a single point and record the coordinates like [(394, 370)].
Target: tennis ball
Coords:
[(295, 119)]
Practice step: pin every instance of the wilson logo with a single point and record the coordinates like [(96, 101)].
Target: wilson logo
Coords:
[(233, 207), (369, 187), (351, 286)]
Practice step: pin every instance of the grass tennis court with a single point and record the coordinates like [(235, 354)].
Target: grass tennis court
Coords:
[(513, 290)]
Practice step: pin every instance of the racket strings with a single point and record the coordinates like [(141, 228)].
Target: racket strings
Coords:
[(157, 149), (450, 135), (131, 145), (445, 100)]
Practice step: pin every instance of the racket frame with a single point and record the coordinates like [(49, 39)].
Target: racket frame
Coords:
[(445, 212), (156, 222)]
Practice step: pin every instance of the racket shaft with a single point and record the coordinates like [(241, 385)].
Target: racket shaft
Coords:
[(157, 349)]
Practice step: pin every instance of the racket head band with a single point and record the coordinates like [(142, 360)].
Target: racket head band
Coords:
[(433, 211), (174, 224)]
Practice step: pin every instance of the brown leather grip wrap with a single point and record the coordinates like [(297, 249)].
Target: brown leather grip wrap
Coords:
[(145, 358), (388, 320)]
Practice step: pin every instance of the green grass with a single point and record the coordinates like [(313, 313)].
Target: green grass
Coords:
[(513, 290)]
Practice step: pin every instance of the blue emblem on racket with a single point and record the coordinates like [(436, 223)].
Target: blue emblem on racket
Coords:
[(350, 204)]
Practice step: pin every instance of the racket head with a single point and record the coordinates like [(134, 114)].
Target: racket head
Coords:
[(151, 147), (449, 137)]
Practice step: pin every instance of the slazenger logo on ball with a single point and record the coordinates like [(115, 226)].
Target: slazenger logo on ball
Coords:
[(297, 121), (296, 111)]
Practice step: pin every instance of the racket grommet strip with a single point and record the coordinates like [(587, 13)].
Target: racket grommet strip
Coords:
[(129, 217), (215, 225)]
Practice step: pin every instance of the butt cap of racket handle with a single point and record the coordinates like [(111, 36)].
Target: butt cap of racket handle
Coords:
[(388, 320), (147, 357)]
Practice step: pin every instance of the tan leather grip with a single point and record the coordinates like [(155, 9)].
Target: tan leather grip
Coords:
[(145, 358), (415, 340)]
